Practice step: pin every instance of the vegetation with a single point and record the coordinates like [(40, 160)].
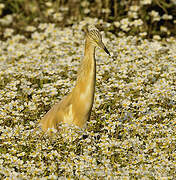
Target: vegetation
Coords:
[(147, 18), (132, 131)]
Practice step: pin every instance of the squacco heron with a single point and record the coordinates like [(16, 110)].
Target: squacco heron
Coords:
[(75, 108)]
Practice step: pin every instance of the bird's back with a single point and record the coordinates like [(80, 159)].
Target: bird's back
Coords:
[(56, 114)]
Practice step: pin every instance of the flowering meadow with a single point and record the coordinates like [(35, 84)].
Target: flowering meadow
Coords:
[(132, 130)]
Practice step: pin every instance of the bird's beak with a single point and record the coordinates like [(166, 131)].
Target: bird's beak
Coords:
[(101, 45)]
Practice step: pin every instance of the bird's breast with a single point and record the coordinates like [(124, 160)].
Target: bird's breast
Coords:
[(68, 117)]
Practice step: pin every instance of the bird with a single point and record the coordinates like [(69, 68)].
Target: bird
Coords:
[(75, 108)]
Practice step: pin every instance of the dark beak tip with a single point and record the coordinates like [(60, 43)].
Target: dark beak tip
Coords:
[(105, 49)]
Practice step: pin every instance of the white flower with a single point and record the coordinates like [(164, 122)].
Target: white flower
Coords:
[(125, 24), (2, 6), (48, 4), (167, 17), (132, 14), (156, 37), (134, 8), (163, 28), (124, 21), (49, 12), (8, 32), (126, 103), (142, 34), (155, 15), (58, 16), (137, 22), (84, 4), (43, 26), (86, 10), (117, 24), (30, 28), (7, 20), (32, 106), (145, 2)]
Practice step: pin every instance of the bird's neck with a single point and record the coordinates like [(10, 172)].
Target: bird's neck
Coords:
[(87, 70), (83, 92)]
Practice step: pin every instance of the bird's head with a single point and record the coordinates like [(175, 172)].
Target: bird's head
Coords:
[(95, 37)]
